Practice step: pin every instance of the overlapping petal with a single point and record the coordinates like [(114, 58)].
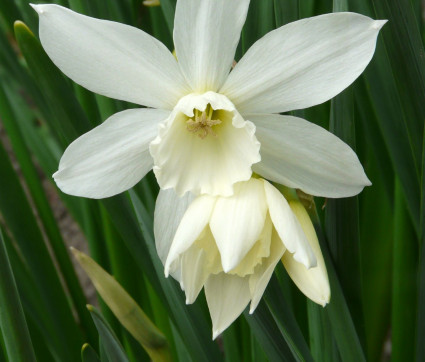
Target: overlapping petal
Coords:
[(191, 226), (112, 157), (194, 274), (312, 282), (303, 63), (227, 296), (259, 280), (288, 227), (237, 222), (302, 155), (110, 58), (169, 210), (206, 34)]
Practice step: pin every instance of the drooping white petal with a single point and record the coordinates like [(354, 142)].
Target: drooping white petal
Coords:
[(237, 221), (206, 34), (169, 211), (227, 296), (191, 226), (259, 280), (312, 282), (302, 155), (197, 263), (303, 63), (112, 157), (288, 227), (110, 58), (193, 272), (209, 165)]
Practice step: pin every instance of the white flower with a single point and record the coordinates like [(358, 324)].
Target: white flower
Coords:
[(231, 245), (205, 126)]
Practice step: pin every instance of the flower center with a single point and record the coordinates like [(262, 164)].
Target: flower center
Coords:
[(202, 122)]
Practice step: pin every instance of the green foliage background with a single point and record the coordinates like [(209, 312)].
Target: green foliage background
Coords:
[(373, 243)]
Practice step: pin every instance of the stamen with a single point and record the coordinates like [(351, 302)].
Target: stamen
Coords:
[(202, 125)]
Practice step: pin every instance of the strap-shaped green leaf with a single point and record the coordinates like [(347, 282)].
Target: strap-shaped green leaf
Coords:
[(12, 320), (420, 333), (342, 324), (67, 117), (130, 315), (342, 216), (43, 208), (88, 354), (17, 212), (404, 296), (268, 335), (109, 341)]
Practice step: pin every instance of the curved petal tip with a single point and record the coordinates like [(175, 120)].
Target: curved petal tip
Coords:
[(378, 24)]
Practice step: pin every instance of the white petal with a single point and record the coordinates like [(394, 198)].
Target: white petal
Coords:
[(186, 162), (237, 221), (193, 272), (227, 296), (313, 282), (259, 280), (112, 157), (110, 58), (288, 227), (169, 211), (302, 155), (197, 263), (206, 34), (191, 226), (303, 63)]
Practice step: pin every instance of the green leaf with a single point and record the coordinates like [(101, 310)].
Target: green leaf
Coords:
[(16, 212), (286, 321), (373, 140), (393, 117), (342, 216), (420, 351), (321, 341), (88, 354), (12, 320), (259, 21), (113, 348), (286, 11), (10, 12), (406, 54), (342, 324), (376, 256), (123, 268), (169, 8), (44, 211), (268, 335), (230, 343), (38, 319), (66, 117), (404, 297), (420, 334), (130, 315)]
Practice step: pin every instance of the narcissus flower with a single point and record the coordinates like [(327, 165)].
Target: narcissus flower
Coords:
[(208, 127), (230, 246)]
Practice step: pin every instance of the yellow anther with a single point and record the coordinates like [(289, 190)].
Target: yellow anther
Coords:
[(202, 124)]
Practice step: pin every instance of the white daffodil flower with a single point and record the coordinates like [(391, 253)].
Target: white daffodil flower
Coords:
[(206, 127), (231, 245)]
